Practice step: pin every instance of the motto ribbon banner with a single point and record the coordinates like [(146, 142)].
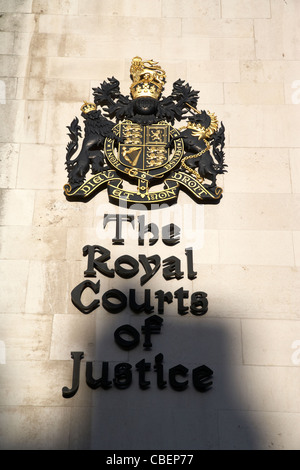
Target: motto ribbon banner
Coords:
[(169, 194)]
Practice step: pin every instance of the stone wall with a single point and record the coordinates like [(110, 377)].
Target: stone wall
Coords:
[(243, 56)]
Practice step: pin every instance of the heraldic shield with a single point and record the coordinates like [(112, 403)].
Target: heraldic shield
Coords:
[(134, 139), (144, 147)]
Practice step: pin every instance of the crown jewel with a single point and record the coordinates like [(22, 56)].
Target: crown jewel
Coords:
[(147, 77)]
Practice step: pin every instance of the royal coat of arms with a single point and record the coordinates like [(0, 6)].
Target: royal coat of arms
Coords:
[(132, 138)]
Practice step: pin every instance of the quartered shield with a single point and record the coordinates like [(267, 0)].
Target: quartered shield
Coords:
[(143, 147), (142, 151)]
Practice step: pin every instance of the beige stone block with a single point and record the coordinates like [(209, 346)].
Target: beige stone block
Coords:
[(9, 156), (17, 22), (31, 428), (268, 71), (22, 44), (209, 252), (50, 284), (62, 24), (264, 389), (254, 291), (128, 27), (46, 24), (17, 207), (140, 9), (191, 8), (47, 290), (42, 383), (73, 333), (52, 209), (269, 342), (80, 429), (81, 45), (227, 48), (13, 66), (34, 122), (253, 93), (36, 289), (38, 67), (21, 87), (245, 9), (14, 276), (83, 68), (264, 123), (56, 7), (203, 422), (213, 71), (6, 42), (273, 117), (78, 238), (39, 44), (295, 169), (256, 248), (34, 243), (48, 163), (8, 89), (257, 170), (186, 49), (278, 37), (11, 113), (27, 337), (21, 6), (25, 121), (56, 90), (254, 212), (296, 239), (48, 45), (209, 93), (259, 430), (215, 27), (269, 40), (125, 27)]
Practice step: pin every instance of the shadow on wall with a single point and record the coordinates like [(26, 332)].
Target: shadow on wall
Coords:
[(131, 417)]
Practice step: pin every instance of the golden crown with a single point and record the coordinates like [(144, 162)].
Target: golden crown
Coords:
[(87, 107), (147, 77)]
